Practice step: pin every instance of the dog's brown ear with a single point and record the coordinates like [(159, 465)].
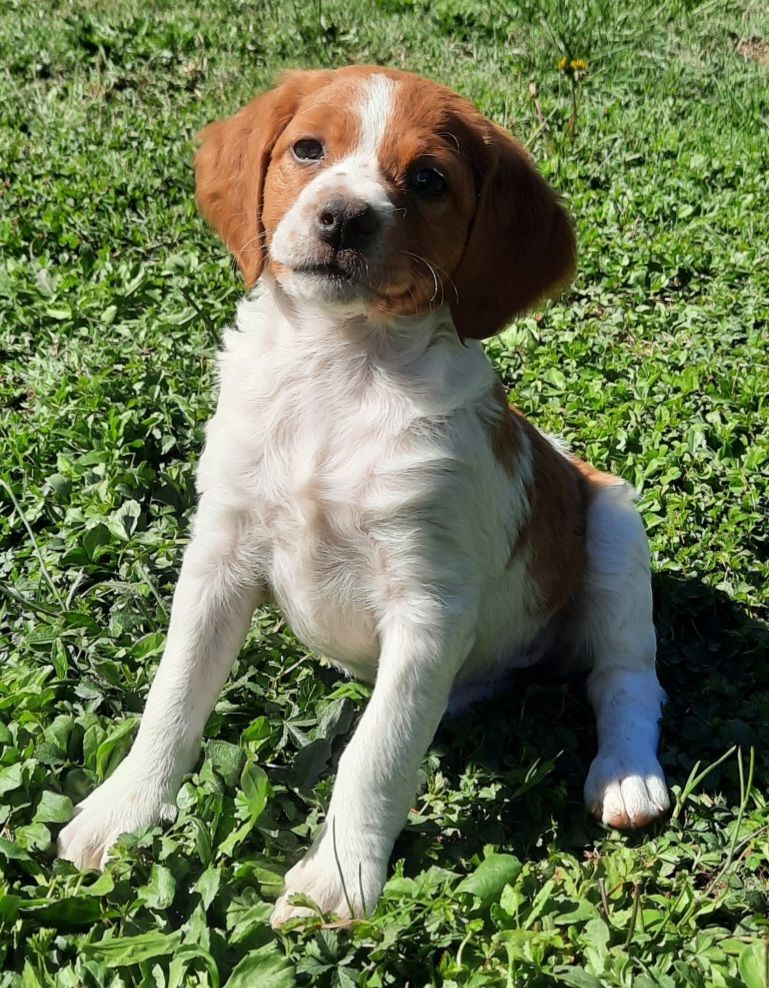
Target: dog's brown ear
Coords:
[(521, 245), (232, 162)]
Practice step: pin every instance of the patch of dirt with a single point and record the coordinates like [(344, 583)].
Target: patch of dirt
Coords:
[(754, 50)]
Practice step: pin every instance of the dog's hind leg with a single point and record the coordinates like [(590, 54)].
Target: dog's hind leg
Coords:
[(625, 786)]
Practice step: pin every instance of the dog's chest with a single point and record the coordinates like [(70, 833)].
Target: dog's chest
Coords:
[(316, 506), (319, 459)]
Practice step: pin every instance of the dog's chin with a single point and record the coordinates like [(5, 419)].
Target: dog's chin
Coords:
[(327, 284), (334, 288)]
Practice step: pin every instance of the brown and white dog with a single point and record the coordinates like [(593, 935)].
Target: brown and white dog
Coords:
[(363, 468)]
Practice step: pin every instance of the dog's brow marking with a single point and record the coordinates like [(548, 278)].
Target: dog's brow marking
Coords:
[(374, 106)]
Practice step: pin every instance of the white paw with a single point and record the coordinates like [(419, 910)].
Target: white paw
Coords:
[(124, 803), (626, 790), (347, 883)]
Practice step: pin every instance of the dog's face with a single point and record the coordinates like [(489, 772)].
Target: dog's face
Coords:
[(380, 192), (366, 198)]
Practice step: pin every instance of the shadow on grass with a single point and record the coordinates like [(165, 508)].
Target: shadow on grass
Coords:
[(515, 764)]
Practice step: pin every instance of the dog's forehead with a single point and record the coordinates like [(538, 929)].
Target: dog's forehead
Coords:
[(350, 112), (376, 113)]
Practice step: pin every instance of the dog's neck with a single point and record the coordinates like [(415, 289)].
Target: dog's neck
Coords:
[(416, 358), (403, 339)]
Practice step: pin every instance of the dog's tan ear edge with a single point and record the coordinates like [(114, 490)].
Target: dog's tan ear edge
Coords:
[(231, 166), (521, 245)]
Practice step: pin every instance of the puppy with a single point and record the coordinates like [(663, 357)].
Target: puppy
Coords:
[(364, 471)]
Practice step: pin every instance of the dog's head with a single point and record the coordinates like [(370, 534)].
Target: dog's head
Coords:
[(379, 191)]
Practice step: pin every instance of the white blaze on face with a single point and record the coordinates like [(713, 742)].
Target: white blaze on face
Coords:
[(374, 109), (356, 175)]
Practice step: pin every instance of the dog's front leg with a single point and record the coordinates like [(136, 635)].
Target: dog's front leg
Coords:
[(376, 782), (212, 607)]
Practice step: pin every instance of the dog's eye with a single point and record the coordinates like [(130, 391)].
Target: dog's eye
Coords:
[(308, 150), (427, 181)]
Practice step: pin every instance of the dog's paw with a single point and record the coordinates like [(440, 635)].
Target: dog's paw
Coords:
[(120, 805), (347, 883), (626, 791)]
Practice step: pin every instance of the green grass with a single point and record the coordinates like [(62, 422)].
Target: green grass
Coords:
[(112, 298)]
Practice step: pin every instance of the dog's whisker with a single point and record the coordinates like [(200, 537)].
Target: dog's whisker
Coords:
[(437, 285)]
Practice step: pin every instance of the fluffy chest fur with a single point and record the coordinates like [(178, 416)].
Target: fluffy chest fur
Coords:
[(360, 464)]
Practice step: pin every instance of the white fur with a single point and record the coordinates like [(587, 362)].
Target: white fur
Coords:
[(374, 110), (348, 474)]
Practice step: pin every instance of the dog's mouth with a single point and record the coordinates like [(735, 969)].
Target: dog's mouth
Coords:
[(338, 280), (335, 281), (328, 269), (348, 277)]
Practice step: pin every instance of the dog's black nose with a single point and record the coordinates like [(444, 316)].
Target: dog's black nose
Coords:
[(346, 224)]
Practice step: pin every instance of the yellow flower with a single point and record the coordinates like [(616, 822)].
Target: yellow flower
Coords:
[(578, 65), (563, 64)]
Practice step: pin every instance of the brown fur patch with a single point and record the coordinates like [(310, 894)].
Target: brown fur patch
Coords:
[(232, 163), (521, 245), (553, 535), (432, 127), (504, 432), (594, 477), (557, 523)]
